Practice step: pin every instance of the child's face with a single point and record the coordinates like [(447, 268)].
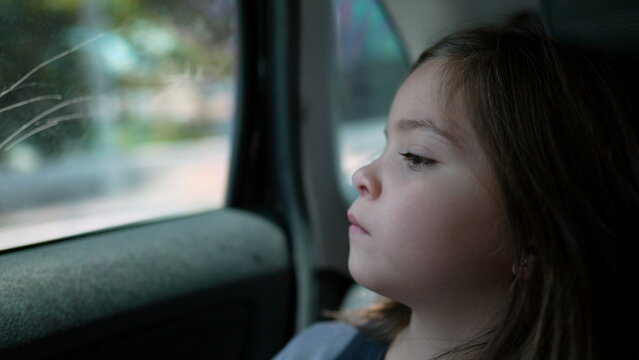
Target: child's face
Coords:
[(431, 228)]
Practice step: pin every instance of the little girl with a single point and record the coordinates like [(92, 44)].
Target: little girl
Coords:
[(500, 217)]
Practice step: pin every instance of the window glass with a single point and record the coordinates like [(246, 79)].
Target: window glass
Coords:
[(111, 112), (371, 64)]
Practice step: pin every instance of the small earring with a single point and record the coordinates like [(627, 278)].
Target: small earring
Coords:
[(524, 268)]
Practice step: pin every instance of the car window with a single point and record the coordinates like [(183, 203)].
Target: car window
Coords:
[(371, 63), (112, 112)]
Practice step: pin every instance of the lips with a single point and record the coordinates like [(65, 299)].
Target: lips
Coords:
[(355, 227)]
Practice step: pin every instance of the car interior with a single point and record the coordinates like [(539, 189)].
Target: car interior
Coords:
[(221, 231)]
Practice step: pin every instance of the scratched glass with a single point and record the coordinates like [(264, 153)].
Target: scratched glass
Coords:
[(112, 112), (371, 64)]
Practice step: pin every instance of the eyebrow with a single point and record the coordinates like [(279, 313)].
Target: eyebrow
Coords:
[(428, 125)]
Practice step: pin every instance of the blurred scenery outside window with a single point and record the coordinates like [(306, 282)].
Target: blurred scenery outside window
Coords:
[(112, 112), (371, 64)]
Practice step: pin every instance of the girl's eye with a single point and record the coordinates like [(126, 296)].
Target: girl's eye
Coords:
[(416, 161)]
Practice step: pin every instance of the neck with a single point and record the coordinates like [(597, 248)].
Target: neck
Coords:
[(432, 333)]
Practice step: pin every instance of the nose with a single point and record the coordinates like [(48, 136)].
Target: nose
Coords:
[(366, 182)]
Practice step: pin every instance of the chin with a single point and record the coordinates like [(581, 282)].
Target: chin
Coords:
[(367, 275)]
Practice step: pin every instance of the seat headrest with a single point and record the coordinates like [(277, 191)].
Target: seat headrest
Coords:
[(608, 25)]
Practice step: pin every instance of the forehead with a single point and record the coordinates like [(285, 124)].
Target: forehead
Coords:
[(424, 95)]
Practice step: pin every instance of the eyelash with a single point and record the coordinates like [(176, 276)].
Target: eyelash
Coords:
[(416, 161)]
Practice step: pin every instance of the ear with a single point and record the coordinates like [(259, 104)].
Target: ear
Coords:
[(523, 268)]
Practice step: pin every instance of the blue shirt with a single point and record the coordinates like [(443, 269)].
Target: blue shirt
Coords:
[(332, 341)]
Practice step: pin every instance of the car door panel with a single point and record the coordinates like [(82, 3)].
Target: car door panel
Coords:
[(208, 284)]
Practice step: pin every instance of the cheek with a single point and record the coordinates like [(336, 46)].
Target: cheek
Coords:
[(455, 221)]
